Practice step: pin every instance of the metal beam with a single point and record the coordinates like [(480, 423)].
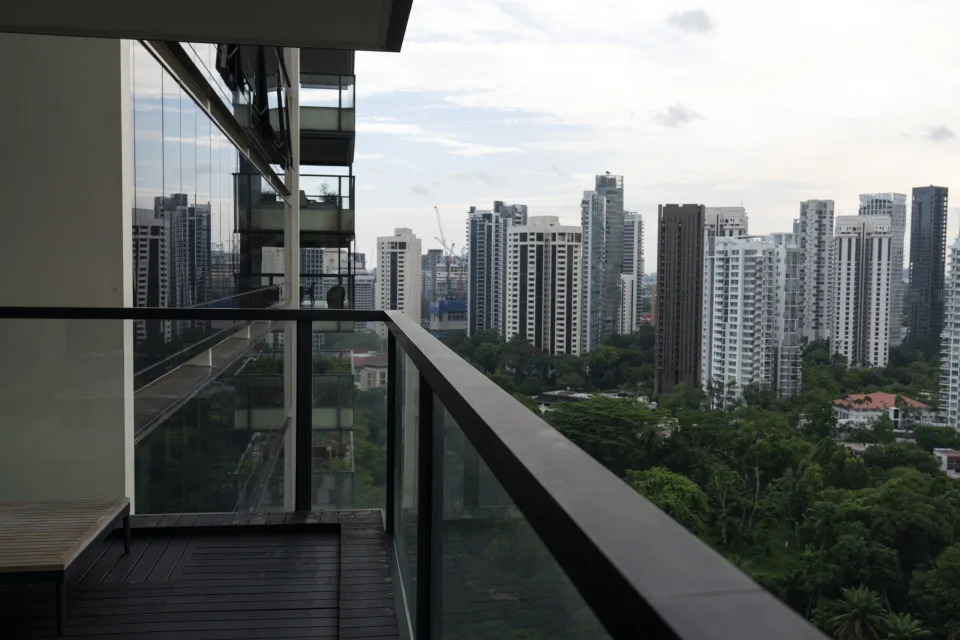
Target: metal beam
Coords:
[(361, 25)]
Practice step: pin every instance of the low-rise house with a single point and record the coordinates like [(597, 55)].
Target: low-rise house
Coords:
[(863, 409)]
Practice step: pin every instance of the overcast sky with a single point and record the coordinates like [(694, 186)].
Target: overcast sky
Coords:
[(760, 104)]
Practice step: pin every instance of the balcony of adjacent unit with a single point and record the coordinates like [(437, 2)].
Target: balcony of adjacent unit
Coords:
[(295, 497), (327, 216), (327, 107)]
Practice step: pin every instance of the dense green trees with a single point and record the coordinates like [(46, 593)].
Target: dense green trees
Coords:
[(821, 527), (866, 545)]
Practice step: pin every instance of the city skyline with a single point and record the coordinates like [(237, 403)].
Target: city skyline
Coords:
[(444, 125)]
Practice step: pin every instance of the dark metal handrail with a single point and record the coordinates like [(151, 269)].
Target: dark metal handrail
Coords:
[(641, 573)]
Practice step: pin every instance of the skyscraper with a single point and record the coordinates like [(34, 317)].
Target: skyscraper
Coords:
[(632, 265), (398, 273), (543, 284), (950, 342), (602, 219), (739, 331), (928, 238), (189, 248), (862, 261), (679, 295), (718, 222), (895, 206), (486, 264), (428, 273), (789, 314), (151, 265), (627, 309), (815, 229)]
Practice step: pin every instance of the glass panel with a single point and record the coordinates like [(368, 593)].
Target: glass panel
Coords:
[(63, 404), (499, 580), (349, 415), (405, 478), (214, 439), (321, 91), (347, 84)]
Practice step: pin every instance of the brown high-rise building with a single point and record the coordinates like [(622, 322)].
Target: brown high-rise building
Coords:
[(679, 295)]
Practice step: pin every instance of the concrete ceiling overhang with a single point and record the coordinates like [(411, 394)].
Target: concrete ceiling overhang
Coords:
[(361, 25)]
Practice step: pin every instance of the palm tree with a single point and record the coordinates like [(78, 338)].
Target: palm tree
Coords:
[(859, 615), (903, 626)]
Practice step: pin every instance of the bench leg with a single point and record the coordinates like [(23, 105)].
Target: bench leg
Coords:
[(61, 607), (126, 534)]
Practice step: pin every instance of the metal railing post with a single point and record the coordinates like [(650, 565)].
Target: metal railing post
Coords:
[(303, 493), (392, 380), (425, 517)]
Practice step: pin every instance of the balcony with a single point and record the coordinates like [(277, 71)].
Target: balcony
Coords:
[(327, 118), (468, 516), (327, 216)]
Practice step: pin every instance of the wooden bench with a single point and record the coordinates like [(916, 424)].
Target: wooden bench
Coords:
[(39, 540)]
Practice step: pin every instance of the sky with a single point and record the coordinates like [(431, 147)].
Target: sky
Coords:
[(759, 104)]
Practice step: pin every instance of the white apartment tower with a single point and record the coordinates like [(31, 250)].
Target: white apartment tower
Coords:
[(895, 206), (815, 229), (740, 331), (862, 267), (950, 341), (627, 310), (486, 264), (629, 319), (398, 273), (718, 222), (543, 284)]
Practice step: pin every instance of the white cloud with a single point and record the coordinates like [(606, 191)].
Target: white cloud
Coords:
[(368, 156), (758, 109)]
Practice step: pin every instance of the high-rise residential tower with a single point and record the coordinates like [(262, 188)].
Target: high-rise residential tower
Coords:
[(602, 219), (543, 284), (895, 206), (789, 315), (739, 331), (928, 238), (815, 230), (629, 319), (950, 342), (486, 264), (718, 222), (428, 273), (679, 295), (862, 267), (398, 273)]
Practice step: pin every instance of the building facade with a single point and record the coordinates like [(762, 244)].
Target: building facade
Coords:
[(739, 332), (928, 239), (718, 222), (815, 230), (627, 309), (789, 315), (679, 295), (895, 206), (486, 264), (632, 265), (398, 273), (950, 342), (862, 267), (543, 284), (602, 220)]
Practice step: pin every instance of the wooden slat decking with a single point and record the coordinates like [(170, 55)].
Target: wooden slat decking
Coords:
[(186, 580), (48, 535)]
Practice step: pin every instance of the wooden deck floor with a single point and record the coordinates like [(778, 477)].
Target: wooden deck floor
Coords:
[(222, 576)]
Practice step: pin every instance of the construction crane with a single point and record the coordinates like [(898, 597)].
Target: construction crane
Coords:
[(447, 248)]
